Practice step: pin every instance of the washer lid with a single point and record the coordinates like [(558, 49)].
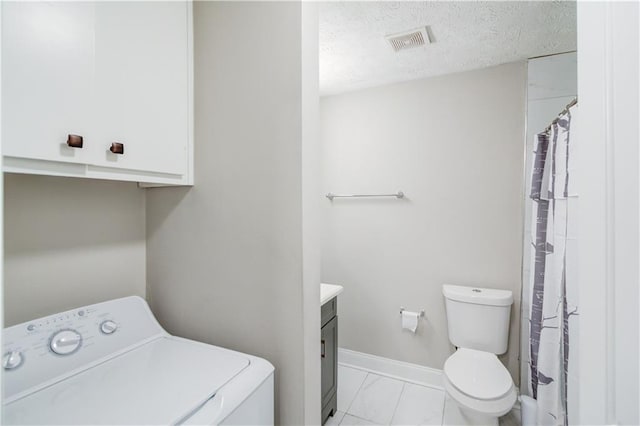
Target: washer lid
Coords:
[(161, 382), (478, 374)]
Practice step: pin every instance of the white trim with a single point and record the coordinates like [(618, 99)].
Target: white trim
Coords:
[(406, 371), (624, 135), (608, 214), (592, 216)]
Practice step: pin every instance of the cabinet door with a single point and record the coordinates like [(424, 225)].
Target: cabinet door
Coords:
[(142, 85), (47, 79), (329, 360)]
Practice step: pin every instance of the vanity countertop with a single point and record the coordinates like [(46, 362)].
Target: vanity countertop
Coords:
[(328, 292)]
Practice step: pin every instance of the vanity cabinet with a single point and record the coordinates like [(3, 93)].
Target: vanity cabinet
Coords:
[(117, 75), (329, 358)]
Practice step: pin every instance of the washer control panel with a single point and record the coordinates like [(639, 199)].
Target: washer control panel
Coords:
[(108, 327), (11, 360), (40, 352), (65, 342)]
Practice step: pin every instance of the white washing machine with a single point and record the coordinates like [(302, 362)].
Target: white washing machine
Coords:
[(112, 363)]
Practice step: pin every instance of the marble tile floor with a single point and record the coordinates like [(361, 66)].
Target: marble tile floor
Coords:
[(366, 398)]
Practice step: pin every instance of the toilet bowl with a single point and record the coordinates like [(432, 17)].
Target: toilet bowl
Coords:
[(474, 378), (480, 386)]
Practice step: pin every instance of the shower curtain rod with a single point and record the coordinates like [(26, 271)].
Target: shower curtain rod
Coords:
[(564, 111)]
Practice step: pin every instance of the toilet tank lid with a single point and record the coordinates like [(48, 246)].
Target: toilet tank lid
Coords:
[(478, 295)]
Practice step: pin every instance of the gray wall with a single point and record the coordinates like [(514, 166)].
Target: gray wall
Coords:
[(455, 145), (225, 258), (311, 190), (70, 242)]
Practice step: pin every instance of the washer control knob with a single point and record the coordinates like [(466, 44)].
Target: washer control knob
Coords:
[(12, 360), (108, 327), (65, 342)]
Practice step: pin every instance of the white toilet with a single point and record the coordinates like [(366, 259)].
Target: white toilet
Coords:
[(478, 324)]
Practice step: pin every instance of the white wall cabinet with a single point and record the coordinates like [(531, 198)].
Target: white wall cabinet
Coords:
[(111, 72)]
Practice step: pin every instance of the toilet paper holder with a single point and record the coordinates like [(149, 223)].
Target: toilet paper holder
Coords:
[(420, 314)]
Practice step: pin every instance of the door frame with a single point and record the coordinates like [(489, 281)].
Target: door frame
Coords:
[(608, 216)]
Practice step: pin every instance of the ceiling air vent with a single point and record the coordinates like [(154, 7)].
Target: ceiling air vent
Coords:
[(409, 39)]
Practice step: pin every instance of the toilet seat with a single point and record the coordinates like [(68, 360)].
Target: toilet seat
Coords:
[(479, 382), (478, 374)]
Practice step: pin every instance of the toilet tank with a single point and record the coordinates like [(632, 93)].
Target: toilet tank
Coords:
[(478, 318)]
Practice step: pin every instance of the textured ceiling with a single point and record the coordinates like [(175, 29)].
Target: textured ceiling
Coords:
[(467, 35)]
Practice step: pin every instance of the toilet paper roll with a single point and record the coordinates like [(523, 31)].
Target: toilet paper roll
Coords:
[(410, 320)]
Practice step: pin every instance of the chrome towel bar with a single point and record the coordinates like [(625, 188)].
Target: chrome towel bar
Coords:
[(331, 196)]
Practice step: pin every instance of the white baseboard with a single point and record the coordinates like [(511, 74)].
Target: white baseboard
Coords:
[(406, 371)]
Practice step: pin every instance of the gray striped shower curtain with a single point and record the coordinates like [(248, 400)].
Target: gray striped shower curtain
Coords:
[(552, 324)]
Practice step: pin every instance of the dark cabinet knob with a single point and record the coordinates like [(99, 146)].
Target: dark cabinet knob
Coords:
[(117, 148), (74, 141)]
